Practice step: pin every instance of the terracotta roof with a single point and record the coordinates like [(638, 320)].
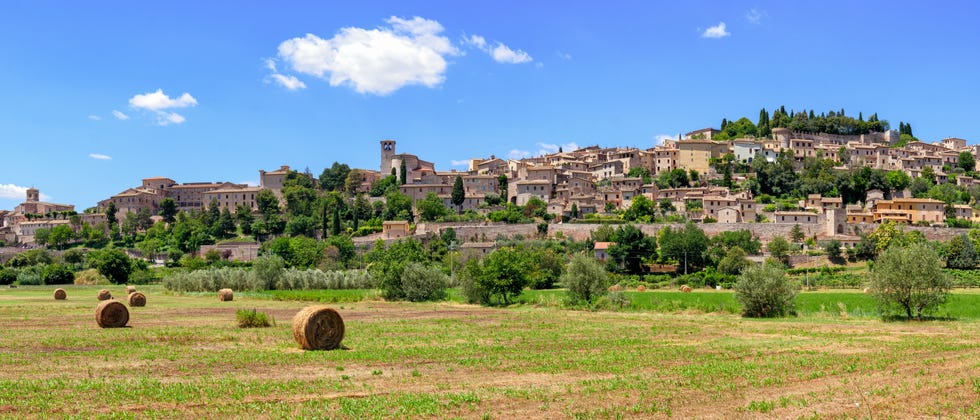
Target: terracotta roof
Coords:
[(603, 245)]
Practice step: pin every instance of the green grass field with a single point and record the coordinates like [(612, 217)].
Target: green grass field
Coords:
[(183, 356)]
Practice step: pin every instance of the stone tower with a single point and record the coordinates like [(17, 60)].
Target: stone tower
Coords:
[(387, 153), (33, 195)]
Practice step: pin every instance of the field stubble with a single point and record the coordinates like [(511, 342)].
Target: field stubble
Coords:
[(184, 356)]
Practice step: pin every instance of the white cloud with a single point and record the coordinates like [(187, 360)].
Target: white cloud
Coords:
[(476, 41), (289, 82), (99, 156), (564, 55), (503, 54), (717, 31), (464, 162), (158, 101), (518, 154), (754, 16), (119, 115), (94, 117), (377, 61), (16, 192), (167, 118)]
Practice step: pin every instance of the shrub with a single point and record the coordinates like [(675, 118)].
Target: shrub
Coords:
[(764, 291), (267, 270), (57, 274), (30, 276), (7, 276), (251, 319), (585, 279), (470, 285), (90, 277), (143, 277), (111, 263), (237, 278), (909, 280), (421, 283)]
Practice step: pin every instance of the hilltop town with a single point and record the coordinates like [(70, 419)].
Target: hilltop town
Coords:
[(830, 183)]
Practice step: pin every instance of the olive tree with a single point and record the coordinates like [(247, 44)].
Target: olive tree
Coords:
[(585, 279), (765, 291), (910, 280)]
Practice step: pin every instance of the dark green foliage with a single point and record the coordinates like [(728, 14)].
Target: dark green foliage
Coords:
[(384, 186), (7, 276), (431, 208), (832, 248), (548, 267), (168, 210), (778, 247), (403, 174), (29, 258), (960, 253), (387, 263), (459, 194), (687, 246), (966, 161), (251, 319), (764, 291), (734, 262), (57, 274), (332, 178), (111, 263), (585, 279), (631, 247), (504, 273), (909, 280)]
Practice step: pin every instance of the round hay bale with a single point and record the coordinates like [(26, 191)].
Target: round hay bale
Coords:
[(226, 295), (137, 299), (111, 314), (641, 288), (686, 289), (104, 295), (60, 294), (318, 328), (867, 291), (614, 288), (130, 289)]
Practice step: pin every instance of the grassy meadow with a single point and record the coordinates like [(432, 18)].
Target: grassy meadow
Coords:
[(670, 354)]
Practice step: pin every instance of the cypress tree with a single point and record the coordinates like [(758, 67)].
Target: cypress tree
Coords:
[(336, 221), (404, 174)]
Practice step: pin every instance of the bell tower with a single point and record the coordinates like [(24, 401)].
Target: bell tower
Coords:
[(33, 195), (387, 153)]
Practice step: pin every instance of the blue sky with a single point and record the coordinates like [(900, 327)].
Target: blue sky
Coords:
[(95, 96)]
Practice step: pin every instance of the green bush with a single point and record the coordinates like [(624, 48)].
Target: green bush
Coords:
[(30, 276), (7, 276), (909, 280), (765, 291), (237, 278), (57, 274), (421, 283), (585, 279), (251, 319), (960, 278), (144, 277)]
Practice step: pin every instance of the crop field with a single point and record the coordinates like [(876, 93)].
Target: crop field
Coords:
[(183, 355)]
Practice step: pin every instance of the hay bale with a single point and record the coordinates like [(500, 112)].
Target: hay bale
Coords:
[(226, 295), (614, 288), (137, 299), (60, 294), (318, 328), (867, 291), (641, 288), (104, 295), (686, 289), (111, 314), (130, 289)]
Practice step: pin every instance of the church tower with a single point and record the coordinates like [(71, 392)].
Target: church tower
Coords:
[(387, 153), (33, 195)]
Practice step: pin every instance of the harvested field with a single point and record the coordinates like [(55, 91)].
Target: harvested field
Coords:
[(184, 356)]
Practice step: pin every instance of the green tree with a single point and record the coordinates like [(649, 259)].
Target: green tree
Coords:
[(268, 204), (641, 209), (110, 215), (60, 236), (420, 283), (778, 247), (764, 291), (585, 279), (909, 280), (403, 174), (225, 226), (244, 218), (301, 226), (685, 245), (502, 185), (574, 211), (631, 247), (111, 263), (332, 178), (960, 253), (41, 235), (966, 161), (335, 226), (734, 262), (505, 273), (168, 210), (299, 200), (796, 234), (458, 195), (398, 206), (387, 263), (57, 274), (832, 248), (431, 208)]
